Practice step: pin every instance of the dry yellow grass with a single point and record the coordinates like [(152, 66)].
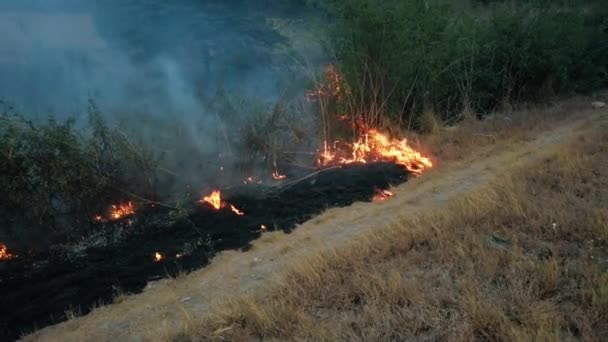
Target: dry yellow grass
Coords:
[(523, 258), (385, 263)]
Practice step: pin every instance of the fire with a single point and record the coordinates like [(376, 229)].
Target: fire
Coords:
[(236, 211), (276, 175), (158, 257), (263, 228), (4, 253), (375, 146), (215, 199), (382, 195), (120, 211), (332, 85)]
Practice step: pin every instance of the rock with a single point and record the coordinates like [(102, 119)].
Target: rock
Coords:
[(598, 104), (185, 299)]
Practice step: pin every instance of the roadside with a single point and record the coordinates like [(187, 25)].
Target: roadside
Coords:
[(470, 158)]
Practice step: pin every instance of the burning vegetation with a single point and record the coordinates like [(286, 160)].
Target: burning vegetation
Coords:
[(117, 212), (214, 199), (4, 253), (382, 195), (374, 146)]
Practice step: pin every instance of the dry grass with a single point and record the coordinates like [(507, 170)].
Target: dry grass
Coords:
[(523, 258)]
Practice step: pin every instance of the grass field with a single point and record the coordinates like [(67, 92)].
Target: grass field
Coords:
[(521, 258)]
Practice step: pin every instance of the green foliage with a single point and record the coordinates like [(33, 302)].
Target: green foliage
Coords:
[(54, 179), (415, 54)]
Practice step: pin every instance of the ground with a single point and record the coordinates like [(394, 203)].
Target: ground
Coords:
[(246, 295)]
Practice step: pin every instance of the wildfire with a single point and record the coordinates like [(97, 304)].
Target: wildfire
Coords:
[(120, 211), (158, 257), (236, 211), (4, 253), (382, 195), (215, 199), (375, 146)]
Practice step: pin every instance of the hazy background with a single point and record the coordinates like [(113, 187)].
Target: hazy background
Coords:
[(162, 70)]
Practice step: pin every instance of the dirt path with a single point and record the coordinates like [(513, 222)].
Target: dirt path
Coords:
[(171, 305)]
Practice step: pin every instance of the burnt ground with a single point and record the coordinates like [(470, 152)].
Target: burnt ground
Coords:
[(37, 291)]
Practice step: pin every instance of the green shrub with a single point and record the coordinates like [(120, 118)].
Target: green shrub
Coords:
[(54, 179), (409, 55)]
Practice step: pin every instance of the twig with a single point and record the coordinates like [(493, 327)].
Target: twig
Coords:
[(146, 200)]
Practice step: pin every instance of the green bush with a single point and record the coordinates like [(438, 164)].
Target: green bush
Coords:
[(54, 179), (410, 55)]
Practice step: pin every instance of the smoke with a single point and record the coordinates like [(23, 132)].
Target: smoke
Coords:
[(153, 67)]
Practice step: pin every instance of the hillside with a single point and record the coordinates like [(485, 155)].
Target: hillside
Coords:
[(505, 239)]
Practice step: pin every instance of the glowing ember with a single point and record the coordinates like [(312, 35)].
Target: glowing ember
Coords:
[(252, 180), (215, 199), (179, 255), (382, 195), (158, 257), (120, 211), (98, 218), (263, 228), (4, 253), (236, 211), (332, 85), (276, 175), (375, 146)]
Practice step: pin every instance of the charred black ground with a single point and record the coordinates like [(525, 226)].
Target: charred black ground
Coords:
[(38, 290)]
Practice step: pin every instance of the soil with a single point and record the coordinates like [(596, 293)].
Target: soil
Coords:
[(37, 291)]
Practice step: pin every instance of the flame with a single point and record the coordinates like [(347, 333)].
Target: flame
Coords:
[(120, 211), (263, 228), (382, 195), (4, 253), (375, 146), (276, 175), (98, 218), (214, 199), (158, 257), (236, 211)]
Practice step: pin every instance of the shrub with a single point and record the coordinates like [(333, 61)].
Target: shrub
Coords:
[(409, 55), (54, 179)]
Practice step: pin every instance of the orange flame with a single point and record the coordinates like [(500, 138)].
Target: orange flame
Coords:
[(375, 146), (215, 199), (382, 195), (236, 211), (120, 211), (158, 257), (4, 253)]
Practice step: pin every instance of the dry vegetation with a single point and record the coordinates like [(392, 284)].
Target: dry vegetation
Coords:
[(523, 258)]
